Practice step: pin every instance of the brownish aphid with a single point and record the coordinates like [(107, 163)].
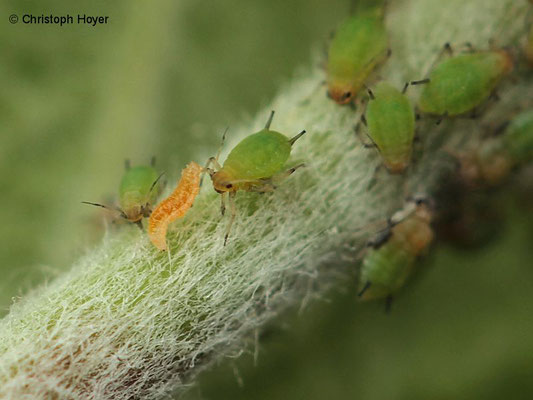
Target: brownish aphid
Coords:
[(174, 206)]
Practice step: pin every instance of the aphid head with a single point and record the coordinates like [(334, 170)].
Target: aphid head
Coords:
[(424, 207), (341, 94), (222, 182), (133, 213)]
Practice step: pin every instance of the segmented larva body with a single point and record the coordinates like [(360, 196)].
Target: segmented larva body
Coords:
[(174, 206)]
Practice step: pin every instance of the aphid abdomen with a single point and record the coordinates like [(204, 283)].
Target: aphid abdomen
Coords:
[(175, 205), (134, 191), (518, 137), (386, 269), (415, 233), (260, 155), (359, 45), (391, 125), (463, 82)]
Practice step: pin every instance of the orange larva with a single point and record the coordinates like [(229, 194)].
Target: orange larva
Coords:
[(175, 205)]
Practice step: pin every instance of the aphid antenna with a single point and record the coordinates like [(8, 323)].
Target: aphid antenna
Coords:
[(364, 289), (127, 164), (269, 121), (221, 144), (381, 238), (233, 210), (419, 82), (295, 138), (115, 209), (155, 182)]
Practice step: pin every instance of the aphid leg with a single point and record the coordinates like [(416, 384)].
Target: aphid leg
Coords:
[(211, 160), (265, 186), (362, 137), (388, 304), (500, 129), (269, 121), (139, 224), (381, 238), (127, 164), (152, 161), (223, 203), (413, 83), (447, 48), (364, 289), (470, 47), (233, 211), (370, 93), (441, 118), (295, 138)]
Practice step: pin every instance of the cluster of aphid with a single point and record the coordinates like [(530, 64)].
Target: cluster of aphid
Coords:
[(256, 164), (455, 86)]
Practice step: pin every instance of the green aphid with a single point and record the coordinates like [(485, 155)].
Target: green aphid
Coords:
[(494, 159), (518, 137), (138, 191), (461, 83), (359, 45), (256, 164), (390, 118), (392, 256)]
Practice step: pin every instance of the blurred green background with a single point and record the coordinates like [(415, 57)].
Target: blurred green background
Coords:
[(163, 78)]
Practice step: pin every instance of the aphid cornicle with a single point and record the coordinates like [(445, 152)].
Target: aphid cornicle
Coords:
[(174, 206), (138, 191), (256, 164), (392, 256), (492, 161), (359, 45), (459, 84), (390, 118)]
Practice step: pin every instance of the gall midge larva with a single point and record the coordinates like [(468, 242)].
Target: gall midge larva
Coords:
[(175, 205)]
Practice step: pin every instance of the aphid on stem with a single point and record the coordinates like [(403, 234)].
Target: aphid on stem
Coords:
[(390, 119), (358, 47), (256, 164), (461, 83), (391, 256), (493, 160), (138, 191)]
